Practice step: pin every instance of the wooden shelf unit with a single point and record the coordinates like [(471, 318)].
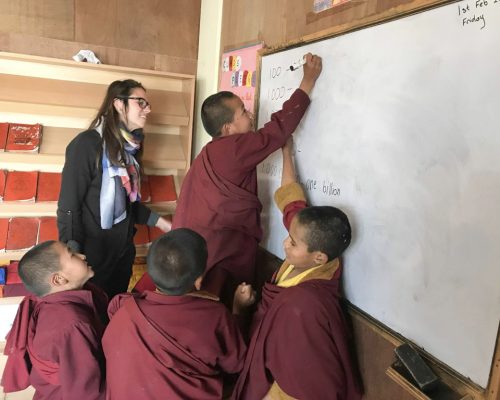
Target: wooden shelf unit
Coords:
[(64, 96)]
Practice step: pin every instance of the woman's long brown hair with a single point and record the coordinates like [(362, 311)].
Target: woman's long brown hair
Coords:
[(109, 117)]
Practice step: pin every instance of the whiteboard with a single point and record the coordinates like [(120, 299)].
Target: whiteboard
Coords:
[(403, 133)]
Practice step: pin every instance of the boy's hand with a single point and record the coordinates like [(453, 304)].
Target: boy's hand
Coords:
[(164, 224), (312, 70), (244, 296)]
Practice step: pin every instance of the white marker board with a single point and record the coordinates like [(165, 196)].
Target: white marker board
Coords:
[(403, 133)]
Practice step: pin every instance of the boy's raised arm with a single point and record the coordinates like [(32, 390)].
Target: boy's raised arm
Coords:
[(290, 197), (288, 173)]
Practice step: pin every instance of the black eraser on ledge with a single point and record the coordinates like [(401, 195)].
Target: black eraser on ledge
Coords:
[(416, 366)]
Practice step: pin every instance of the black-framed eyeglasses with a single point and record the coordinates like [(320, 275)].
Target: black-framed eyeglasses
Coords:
[(141, 101)]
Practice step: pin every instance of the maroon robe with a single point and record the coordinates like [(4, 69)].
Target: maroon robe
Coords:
[(170, 347), (54, 345), (219, 200), (301, 341)]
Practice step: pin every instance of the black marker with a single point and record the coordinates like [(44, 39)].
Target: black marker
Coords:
[(296, 65)]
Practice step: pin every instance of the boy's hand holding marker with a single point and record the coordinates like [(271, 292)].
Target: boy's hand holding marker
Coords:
[(312, 65)]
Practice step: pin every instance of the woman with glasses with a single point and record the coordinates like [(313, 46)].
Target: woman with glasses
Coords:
[(99, 202)]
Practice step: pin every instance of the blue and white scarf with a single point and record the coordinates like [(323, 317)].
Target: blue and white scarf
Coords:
[(117, 183)]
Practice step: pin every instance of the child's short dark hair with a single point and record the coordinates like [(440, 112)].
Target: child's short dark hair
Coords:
[(328, 230), (215, 112), (37, 264), (176, 259)]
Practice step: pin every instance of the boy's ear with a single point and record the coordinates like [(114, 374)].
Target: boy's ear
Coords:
[(226, 129), (57, 279), (197, 282), (320, 258)]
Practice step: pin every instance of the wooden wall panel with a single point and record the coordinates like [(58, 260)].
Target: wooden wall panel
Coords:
[(150, 34), (283, 21), (48, 18), (156, 26), (259, 21), (40, 46)]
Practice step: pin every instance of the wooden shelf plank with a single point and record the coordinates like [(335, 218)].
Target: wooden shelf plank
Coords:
[(59, 116), (75, 117), (166, 208), (27, 209), (55, 163), (55, 139), (32, 162), (163, 152), (30, 89), (48, 209), (52, 68)]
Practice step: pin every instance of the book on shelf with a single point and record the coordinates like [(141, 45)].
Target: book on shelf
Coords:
[(155, 232), (49, 186), (14, 290), (48, 229), (22, 233), (12, 273), (162, 188), (145, 190), (20, 186), (24, 137), (3, 179), (4, 130), (13, 283), (4, 228), (141, 237)]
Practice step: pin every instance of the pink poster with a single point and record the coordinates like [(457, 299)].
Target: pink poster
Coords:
[(238, 73)]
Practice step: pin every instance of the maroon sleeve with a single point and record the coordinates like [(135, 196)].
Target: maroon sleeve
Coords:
[(233, 347), (116, 303), (81, 364), (252, 148), (291, 210)]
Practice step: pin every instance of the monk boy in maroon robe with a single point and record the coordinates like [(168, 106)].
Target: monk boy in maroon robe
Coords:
[(218, 197), (54, 343), (175, 342), (299, 347)]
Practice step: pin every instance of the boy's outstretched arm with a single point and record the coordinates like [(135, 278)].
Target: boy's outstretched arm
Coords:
[(312, 70), (290, 197), (253, 149), (288, 174)]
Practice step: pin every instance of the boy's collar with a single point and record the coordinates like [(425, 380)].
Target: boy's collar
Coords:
[(83, 296), (326, 271), (198, 293), (204, 295)]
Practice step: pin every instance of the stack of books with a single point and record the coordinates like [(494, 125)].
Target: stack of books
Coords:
[(29, 186)]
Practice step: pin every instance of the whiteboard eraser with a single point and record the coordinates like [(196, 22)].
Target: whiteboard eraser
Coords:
[(416, 366)]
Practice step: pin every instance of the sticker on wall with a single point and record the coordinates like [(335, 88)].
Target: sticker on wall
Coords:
[(322, 5), (238, 73)]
